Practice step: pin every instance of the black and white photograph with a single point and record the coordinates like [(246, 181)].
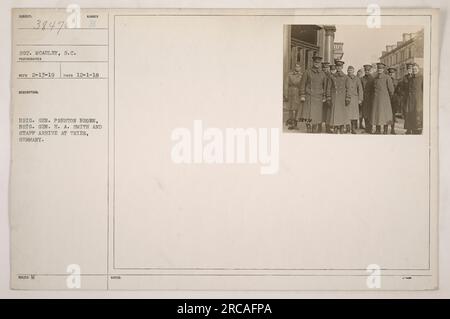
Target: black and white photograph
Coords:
[(353, 79), (156, 152)]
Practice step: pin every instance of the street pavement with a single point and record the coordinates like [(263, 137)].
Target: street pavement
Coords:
[(301, 127)]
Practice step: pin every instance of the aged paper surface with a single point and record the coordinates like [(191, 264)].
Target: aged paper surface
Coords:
[(151, 150)]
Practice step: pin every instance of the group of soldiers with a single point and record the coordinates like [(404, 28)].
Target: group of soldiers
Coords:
[(324, 94)]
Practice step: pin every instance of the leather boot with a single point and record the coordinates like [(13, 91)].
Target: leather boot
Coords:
[(393, 129), (368, 126), (354, 126)]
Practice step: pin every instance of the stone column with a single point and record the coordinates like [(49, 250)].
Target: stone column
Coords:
[(302, 58), (321, 42), (286, 50), (329, 43)]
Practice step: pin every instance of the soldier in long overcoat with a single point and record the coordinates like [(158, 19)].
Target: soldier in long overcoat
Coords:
[(293, 95), (360, 75), (412, 93), (367, 85), (381, 107), (395, 99), (339, 96), (326, 105), (356, 97), (313, 94)]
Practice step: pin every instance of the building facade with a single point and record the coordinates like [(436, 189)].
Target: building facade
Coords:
[(302, 42), (338, 51), (409, 50)]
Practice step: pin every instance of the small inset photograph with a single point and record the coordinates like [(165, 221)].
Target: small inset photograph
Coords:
[(352, 79)]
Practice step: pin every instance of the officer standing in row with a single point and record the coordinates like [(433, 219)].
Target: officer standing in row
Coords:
[(412, 93), (366, 109), (383, 89), (395, 99), (293, 95), (326, 104), (356, 98), (313, 95), (339, 97)]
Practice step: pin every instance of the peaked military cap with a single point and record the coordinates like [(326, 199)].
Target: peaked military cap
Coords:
[(317, 58), (391, 69)]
